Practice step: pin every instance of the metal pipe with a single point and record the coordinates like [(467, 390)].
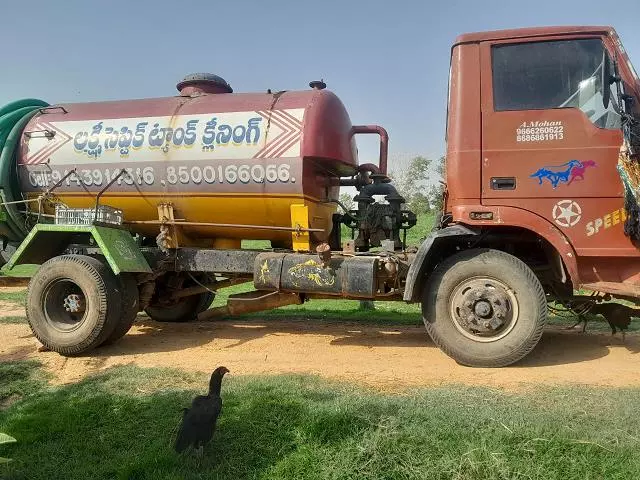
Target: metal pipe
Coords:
[(187, 292), (73, 171), (29, 200), (384, 142), (238, 305), (106, 187), (224, 225), (36, 214)]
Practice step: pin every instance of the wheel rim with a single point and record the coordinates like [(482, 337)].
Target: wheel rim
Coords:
[(64, 305), (483, 309)]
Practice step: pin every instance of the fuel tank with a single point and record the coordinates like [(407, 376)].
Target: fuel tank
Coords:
[(215, 156)]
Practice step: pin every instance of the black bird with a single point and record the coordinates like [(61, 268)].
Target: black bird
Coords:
[(199, 421), (617, 315)]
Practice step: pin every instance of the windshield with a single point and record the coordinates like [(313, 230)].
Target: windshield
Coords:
[(588, 97), (552, 74)]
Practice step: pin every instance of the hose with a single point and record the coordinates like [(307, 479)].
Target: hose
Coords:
[(13, 118)]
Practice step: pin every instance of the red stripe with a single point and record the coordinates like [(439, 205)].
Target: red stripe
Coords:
[(266, 152), (294, 119), (287, 146), (281, 138), (283, 144), (271, 144), (286, 120), (61, 139)]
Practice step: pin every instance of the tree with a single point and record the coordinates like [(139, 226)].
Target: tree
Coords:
[(437, 189), (346, 199), (412, 183)]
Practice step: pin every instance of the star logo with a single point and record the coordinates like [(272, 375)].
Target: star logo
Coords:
[(566, 213)]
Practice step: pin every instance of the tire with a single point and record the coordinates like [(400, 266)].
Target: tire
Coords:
[(130, 307), (6, 254), (484, 308), (93, 284), (184, 310)]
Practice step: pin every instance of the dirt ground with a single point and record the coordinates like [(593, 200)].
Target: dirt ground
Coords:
[(387, 358)]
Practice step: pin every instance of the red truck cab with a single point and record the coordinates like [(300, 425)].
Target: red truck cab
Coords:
[(535, 205), (531, 146)]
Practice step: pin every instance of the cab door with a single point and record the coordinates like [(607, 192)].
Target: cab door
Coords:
[(549, 145)]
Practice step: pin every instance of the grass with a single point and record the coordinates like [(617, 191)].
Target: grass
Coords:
[(17, 296), (9, 320), (19, 271), (19, 379), (120, 425)]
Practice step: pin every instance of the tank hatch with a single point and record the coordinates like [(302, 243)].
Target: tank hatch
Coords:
[(201, 83)]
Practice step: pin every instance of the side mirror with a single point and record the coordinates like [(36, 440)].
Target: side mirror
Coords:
[(605, 79)]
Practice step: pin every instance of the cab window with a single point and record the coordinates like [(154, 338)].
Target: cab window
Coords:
[(552, 74)]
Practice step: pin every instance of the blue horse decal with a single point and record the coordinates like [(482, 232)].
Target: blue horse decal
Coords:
[(564, 173)]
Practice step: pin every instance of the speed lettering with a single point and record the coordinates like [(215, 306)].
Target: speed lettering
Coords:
[(607, 221)]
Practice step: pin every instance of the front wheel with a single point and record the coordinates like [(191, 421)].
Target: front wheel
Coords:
[(484, 308)]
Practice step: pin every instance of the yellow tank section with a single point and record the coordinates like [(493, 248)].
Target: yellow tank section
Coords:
[(246, 209)]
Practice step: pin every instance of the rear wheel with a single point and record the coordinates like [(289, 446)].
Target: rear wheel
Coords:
[(165, 309), (73, 304), (130, 307), (484, 308)]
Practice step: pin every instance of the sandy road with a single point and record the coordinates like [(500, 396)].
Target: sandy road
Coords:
[(384, 357)]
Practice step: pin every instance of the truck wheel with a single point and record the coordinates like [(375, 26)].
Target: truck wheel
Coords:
[(484, 308), (130, 307), (184, 309), (73, 304)]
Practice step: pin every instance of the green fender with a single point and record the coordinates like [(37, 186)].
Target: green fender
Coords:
[(46, 241)]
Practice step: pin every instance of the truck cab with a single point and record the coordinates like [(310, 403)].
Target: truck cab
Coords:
[(541, 191), (533, 146)]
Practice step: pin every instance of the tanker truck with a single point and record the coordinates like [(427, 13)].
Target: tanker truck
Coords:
[(142, 205)]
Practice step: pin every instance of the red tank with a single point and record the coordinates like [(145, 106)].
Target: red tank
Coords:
[(216, 156)]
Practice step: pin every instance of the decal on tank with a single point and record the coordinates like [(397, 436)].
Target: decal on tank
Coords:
[(48, 138), (228, 135), (314, 272)]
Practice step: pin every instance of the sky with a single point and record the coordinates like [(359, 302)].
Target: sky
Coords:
[(388, 61)]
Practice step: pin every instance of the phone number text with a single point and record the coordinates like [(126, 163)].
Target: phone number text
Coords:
[(540, 134), (169, 175)]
